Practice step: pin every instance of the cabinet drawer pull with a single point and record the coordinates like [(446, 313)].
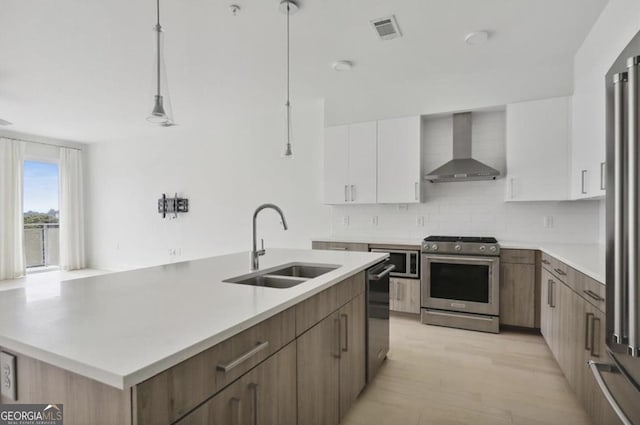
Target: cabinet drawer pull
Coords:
[(346, 332), (235, 404), (254, 388), (547, 262), (243, 358), (593, 295), (560, 271), (338, 352), (588, 332), (595, 347), (603, 173)]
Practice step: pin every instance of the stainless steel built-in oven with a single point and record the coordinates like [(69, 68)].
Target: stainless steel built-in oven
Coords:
[(407, 262), (461, 285)]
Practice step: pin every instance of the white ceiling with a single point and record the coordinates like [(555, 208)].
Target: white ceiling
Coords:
[(81, 70)]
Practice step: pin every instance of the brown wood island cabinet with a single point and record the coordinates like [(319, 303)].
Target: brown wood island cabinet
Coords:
[(305, 366)]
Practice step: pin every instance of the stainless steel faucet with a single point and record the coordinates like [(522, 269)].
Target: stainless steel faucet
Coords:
[(255, 253)]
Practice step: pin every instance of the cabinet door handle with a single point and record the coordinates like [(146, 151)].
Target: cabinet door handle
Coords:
[(415, 190), (549, 292), (346, 332), (236, 412), (398, 296), (593, 295), (254, 388), (338, 354), (595, 347), (588, 333), (553, 295), (243, 358), (583, 189), (346, 193), (560, 272), (603, 172), (353, 192), (511, 183)]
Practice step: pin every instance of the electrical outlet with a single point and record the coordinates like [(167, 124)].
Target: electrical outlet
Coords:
[(403, 207), (420, 221), (374, 220), (345, 220), (548, 221), (8, 375)]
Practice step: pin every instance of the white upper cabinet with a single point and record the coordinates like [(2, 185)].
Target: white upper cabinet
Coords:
[(362, 162), (588, 151), (350, 164), (538, 137), (399, 160)]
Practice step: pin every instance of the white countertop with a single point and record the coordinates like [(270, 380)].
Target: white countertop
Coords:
[(372, 241), (123, 328), (587, 258)]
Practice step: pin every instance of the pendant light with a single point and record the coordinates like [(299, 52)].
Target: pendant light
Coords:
[(288, 7), (161, 113)]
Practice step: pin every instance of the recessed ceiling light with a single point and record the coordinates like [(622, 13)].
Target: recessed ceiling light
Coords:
[(342, 66), (477, 37)]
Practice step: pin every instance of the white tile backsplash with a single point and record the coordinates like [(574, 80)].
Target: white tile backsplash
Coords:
[(471, 208)]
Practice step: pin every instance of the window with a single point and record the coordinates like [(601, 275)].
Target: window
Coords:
[(41, 215)]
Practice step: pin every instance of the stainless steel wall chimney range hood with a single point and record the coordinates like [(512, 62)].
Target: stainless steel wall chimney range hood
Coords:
[(462, 167)]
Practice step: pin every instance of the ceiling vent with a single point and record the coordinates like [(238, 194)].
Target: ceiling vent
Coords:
[(387, 28)]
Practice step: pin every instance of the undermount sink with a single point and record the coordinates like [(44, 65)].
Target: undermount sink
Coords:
[(285, 276), (304, 271)]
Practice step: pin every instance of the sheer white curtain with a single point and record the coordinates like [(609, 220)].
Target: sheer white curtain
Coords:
[(72, 254), (12, 261)]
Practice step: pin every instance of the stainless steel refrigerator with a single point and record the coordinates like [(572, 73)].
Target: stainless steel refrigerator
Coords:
[(619, 377)]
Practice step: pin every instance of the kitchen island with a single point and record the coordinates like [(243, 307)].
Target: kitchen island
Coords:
[(131, 341)]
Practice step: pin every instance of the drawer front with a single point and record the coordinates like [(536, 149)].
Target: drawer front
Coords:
[(518, 256), (168, 396), (340, 246), (559, 269), (591, 290), (266, 395), (313, 310)]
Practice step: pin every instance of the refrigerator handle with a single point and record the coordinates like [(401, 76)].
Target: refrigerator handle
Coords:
[(632, 210), (595, 369), (619, 86)]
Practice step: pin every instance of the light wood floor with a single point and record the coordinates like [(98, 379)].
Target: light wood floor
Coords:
[(444, 376)]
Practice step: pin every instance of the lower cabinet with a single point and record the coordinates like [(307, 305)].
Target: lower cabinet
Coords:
[(517, 288), (574, 329), (266, 395), (331, 370), (404, 295)]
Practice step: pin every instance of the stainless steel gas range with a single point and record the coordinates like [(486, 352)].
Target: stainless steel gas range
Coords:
[(461, 282)]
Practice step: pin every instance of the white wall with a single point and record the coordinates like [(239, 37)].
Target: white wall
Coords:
[(614, 29), (225, 173), (471, 208)]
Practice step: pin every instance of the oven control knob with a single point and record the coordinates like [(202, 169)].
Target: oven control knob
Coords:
[(492, 249), (482, 248), (457, 247), (425, 247), (434, 247)]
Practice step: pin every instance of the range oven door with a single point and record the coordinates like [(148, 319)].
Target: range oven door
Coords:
[(461, 283)]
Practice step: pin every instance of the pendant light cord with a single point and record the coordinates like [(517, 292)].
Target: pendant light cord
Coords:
[(158, 30), (288, 79)]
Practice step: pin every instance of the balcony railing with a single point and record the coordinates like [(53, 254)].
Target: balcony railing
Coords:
[(42, 244)]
